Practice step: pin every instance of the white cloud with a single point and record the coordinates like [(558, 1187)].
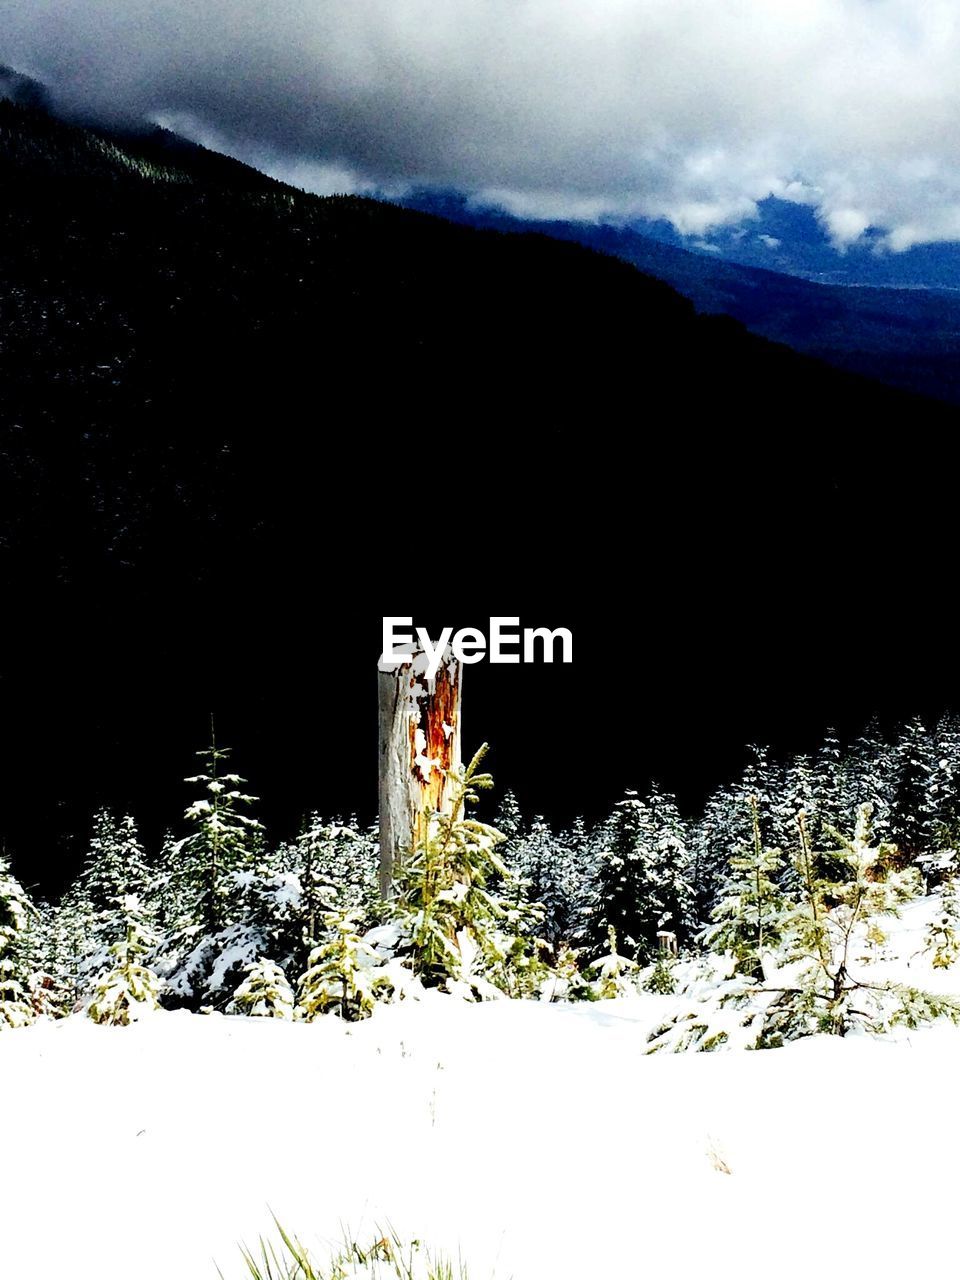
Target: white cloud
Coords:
[(845, 226), (692, 110)]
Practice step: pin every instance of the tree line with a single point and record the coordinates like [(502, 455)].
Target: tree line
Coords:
[(221, 918)]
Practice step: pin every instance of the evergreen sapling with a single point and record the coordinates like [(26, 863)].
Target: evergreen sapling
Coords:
[(263, 993), (130, 989), (16, 1008), (457, 932), (613, 971), (344, 974)]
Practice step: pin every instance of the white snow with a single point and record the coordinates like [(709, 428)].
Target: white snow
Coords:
[(423, 762), (536, 1141)]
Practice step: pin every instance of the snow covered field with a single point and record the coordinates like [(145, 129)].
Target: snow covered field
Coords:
[(536, 1140)]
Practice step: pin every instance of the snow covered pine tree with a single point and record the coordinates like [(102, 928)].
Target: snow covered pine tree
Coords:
[(16, 1009), (130, 989)]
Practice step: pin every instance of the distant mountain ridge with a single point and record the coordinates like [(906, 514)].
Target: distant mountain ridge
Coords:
[(788, 237), (149, 279), (908, 338)]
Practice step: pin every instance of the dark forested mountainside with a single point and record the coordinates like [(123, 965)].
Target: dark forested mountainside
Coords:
[(148, 280), (240, 423)]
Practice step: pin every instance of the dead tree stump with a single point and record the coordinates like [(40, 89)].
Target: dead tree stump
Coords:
[(419, 744), (667, 942)]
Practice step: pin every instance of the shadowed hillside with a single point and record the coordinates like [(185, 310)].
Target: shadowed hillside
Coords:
[(146, 278), (907, 337), (279, 417)]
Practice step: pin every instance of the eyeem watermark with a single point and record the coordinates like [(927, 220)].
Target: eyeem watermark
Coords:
[(506, 644)]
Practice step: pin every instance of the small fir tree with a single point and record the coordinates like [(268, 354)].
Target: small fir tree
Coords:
[(130, 989), (916, 797), (263, 993), (821, 991), (613, 971), (566, 981), (344, 974), (36, 951), (748, 915), (944, 790), (509, 820), (16, 910), (546, 865), (224, 840), (868, 778), (710, 852), (621, 877), (828, 776), (457, 930), (669, 890), (337, 868), (174, 896), (942, 938), (115, 864), (660, 981), (70, 943)]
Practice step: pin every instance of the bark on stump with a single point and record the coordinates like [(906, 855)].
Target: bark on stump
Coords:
[(419, 744)]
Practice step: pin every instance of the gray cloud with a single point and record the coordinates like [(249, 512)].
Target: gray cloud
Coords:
[(692, 110)]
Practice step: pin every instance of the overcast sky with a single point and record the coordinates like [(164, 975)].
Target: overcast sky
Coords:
[(691, 110)]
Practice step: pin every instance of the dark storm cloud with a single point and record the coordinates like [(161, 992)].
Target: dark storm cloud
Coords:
[(686, 109)]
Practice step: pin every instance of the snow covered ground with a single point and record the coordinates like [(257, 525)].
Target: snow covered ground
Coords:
[(536, 1140)]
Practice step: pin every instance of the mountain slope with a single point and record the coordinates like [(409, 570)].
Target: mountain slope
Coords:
[(146, 279), (275, 414), (909, 338)]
